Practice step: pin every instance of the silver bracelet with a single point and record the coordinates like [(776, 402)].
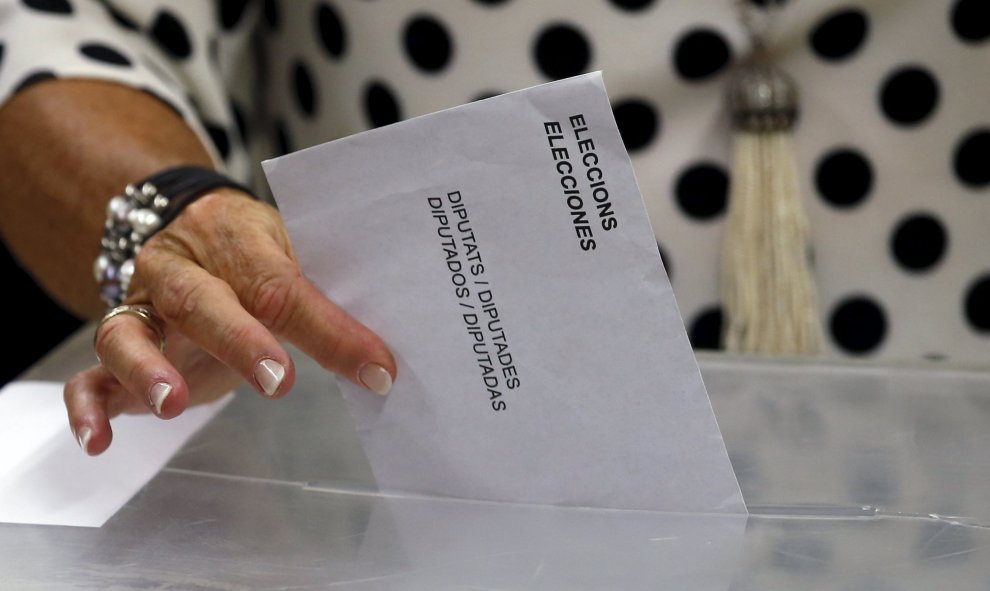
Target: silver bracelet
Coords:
[(143, 210)]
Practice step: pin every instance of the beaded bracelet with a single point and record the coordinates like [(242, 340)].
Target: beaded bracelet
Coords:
[(143, 210)]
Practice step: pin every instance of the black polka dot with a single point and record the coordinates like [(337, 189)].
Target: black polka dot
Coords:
[(239, 120), (844, 177), (702, 191), (971, 20), (978, 304), (283, 144), (972, 159), (858, 325), (220, 139), (50, 6), (330, 30), (637, 121), (427, 43), (34, 78), (120, 18), (668, 264), (305, 93), (632, 4), (706, 329), (491, 2), (918, 242), (231, 12), (909, 95), (271, 14), (765, 3), (700, 53), (381, 107), (104, 54), (170, 34), (561, 51), (840, 34)]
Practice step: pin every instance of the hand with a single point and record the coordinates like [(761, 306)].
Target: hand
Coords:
[(223, 278)]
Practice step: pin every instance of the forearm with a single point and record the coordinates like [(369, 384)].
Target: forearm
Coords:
[(69, 145)]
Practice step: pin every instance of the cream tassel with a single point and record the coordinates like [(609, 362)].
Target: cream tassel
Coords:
[(768, 293)]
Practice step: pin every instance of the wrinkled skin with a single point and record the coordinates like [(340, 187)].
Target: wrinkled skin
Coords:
[(222, 275)]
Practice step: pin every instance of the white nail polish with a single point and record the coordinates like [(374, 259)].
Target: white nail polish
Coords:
[(375, 378), (83, 437), (269, 374), (159, 392)]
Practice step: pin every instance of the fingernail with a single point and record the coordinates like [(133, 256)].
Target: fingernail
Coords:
[(375, 378), (269, 374), (83, 437), (159, 392)]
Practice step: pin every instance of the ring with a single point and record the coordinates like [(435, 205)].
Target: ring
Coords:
[(145, 313)]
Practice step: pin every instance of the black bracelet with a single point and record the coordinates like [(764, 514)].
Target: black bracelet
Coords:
[(143, 210)]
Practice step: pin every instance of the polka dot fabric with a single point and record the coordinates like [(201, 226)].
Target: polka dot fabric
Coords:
[(155, 47), (893, 143)]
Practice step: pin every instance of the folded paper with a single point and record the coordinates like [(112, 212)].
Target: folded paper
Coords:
[(46, 479), (503, 252)]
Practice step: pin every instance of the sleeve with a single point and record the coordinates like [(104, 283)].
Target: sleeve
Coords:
[(170, 50)]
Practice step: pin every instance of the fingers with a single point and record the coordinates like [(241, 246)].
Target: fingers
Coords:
[(222, 274), (206, 310), (332, 337), (92, 397), (276, 292), (129, 350)]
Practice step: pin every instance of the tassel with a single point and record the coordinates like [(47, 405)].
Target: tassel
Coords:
[(768, 293)]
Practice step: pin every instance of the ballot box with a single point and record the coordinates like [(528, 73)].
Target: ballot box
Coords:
[(856, 477)]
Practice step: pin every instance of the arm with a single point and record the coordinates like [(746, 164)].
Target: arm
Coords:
[(69, 146), (222, 275)]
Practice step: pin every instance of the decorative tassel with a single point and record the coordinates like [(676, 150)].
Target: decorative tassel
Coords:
[(768, 293)]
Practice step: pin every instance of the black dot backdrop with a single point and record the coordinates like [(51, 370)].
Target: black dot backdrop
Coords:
[(844, 177), (561, 50), (840, 35), (893, 143), (858, 325), (330, 28), (701, 53), (702, 191), (638, 123), (428, 44), (909, 95), (705, 331)]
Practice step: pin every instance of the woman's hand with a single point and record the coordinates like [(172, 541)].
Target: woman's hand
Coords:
[(223, 278)]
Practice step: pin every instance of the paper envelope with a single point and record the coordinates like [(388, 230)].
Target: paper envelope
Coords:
[(503, 251)]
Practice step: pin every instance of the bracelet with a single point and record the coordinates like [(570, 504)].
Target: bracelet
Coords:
[(143, 210)]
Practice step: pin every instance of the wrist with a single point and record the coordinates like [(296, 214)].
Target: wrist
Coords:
[(141, 211)]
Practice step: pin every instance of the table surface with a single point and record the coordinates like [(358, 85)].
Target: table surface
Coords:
[(857, 478)]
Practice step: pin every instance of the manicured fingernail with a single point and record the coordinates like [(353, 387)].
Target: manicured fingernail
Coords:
[(159, 392), (375, 378), (83, 437), (269, 374)]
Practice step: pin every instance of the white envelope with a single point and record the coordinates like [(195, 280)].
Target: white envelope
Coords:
[(503, 251), (46, 479)]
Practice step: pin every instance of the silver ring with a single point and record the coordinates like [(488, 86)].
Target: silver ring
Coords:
[(145, 313)]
